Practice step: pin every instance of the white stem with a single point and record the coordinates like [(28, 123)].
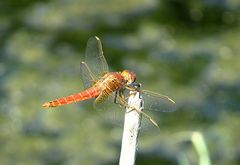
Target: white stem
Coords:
[(132, 123), (201, 147)]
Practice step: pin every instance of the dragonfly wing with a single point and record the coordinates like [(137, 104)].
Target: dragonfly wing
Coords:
[(110, 113), (87, 77), (157, 102), (95, 64), (94, 57)]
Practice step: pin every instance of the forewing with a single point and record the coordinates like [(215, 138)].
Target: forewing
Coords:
[(157, 102), (94, 57)]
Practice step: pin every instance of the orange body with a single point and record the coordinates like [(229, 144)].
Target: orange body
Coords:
[(84, 95), (109, 83)]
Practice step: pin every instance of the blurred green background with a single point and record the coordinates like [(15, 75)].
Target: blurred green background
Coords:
[(188, 50)]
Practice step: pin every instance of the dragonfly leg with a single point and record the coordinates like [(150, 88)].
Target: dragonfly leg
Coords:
[(115, 97), (119, 98), (121, 94)]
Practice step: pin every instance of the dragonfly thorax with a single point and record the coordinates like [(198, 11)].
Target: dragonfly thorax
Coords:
[(128, 76)]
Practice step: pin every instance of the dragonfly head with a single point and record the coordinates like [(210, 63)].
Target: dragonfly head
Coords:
[(129, 76)]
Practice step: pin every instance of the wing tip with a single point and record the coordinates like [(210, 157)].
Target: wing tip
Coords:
[(171, 100), (96, 37)]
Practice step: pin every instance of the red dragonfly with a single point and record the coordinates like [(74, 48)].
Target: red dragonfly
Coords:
[(101, 84)]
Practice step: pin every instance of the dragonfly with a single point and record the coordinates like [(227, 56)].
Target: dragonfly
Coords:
[(101, 84)]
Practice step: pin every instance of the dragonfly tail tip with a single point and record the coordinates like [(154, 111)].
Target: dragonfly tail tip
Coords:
[(46, 105)]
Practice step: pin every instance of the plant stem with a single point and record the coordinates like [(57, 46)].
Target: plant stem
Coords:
[(132, 123)]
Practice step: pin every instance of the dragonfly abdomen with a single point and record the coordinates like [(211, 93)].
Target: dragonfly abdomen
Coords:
[(84, 95)]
